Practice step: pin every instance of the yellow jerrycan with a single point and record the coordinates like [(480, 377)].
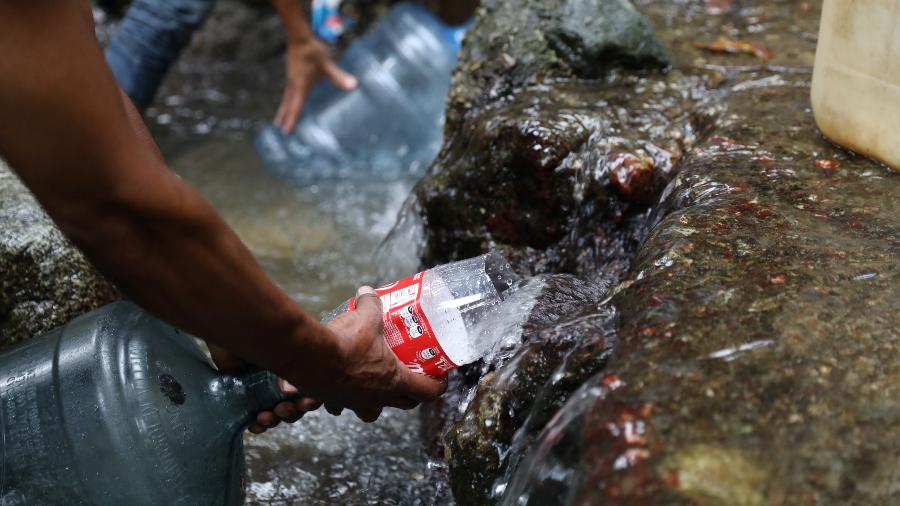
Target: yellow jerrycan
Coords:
[(856, 78)]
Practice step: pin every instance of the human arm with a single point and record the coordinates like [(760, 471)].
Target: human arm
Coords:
[(306, 60), (455, 12), (66, 131), (290, 410)]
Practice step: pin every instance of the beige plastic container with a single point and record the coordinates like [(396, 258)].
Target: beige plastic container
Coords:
[(856, 80)]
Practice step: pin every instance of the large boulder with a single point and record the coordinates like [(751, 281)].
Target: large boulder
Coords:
[(748, 352), (757, 358), (511, 46), (44, 280)]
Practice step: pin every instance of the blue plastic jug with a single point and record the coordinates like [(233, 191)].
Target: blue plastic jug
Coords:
[(388, 127)]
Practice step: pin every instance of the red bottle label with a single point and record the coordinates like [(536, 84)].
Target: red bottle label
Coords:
[(407, 330)]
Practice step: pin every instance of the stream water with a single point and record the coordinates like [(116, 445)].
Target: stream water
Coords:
[(317, 242)]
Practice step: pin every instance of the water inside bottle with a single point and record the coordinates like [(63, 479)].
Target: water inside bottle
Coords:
[(445, 316), (461, 296)]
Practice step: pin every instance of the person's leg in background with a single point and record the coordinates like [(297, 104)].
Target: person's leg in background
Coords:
[(149, 39)]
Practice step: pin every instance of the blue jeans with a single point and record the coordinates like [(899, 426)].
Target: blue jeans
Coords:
[(149, 39)]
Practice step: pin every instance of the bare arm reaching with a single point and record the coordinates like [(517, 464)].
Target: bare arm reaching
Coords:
[(306, 60), (65, 130)]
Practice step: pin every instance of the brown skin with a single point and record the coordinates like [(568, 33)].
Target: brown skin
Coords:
[(83, 152), (306, 61), (307, 58), (454, 12)]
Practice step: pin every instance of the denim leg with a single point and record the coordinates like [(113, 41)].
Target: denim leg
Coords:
[(148, 41)]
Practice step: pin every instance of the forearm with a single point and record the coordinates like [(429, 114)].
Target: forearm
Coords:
[(167, 249), (455, 12), (293, 21), (66, 131)]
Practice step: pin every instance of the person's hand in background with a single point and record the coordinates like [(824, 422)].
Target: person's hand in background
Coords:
[(306, 61)]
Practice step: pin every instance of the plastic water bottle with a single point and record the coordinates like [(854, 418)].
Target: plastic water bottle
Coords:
[(117, 407), (433, 320), (391, 124)]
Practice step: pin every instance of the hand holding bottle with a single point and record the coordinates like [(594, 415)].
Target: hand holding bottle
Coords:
[(287, 411), (369, 376)]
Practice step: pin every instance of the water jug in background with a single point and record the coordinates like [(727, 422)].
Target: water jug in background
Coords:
[(117, 407), (856, 77), (433, 321), (390, 125)]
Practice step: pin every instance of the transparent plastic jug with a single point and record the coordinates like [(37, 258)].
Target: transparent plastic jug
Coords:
[(117, 407), (433, 320), (856, 78), (390, 125)]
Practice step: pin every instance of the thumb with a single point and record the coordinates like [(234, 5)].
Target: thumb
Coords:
[(423, 388), (368, 303), (342, 79)]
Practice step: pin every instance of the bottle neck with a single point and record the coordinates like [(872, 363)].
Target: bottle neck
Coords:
[(244, 394)]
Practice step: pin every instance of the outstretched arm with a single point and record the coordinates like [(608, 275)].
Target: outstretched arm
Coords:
[(65, 130), (306, 60)]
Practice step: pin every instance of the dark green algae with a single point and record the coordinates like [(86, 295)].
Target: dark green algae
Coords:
[(749, 351)]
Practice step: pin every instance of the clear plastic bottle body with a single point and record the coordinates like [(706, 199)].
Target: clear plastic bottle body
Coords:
[(391, 123), (433, 320), (457, 298)]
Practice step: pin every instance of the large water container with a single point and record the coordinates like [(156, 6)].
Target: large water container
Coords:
[(856, 79), (390, 125), (117, 407)]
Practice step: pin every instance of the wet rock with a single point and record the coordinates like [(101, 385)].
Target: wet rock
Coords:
[(44, 280), (510, 47), (632, 176), (754, 357), (538, 164), (563, 326), (593, 36), (541, 174), (757, 353)]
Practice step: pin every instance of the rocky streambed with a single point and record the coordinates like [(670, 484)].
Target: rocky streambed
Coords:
[(710, 314), (716, 320)]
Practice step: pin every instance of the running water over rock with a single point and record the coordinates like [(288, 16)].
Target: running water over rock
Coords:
[(747, 352)]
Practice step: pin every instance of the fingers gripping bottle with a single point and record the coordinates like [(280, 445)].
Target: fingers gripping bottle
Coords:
[(432, 319)]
